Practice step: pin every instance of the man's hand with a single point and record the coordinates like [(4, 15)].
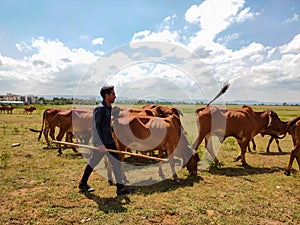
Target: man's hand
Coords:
[(101, 148)]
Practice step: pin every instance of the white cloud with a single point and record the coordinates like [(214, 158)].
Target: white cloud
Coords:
[(294, 18), (162, 36), (293, 46), (23, 47), (98, 41), (213, 17), (51, 66), (245, 14)]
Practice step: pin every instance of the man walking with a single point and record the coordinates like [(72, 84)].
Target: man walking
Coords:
[(103, 139)]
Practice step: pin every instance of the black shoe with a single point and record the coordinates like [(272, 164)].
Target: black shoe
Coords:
[(85, 188), (125, 190)]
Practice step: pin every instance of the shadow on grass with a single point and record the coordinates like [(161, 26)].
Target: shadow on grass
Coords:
[(110, 205), (167, 185), (274, 153), (242, 171)]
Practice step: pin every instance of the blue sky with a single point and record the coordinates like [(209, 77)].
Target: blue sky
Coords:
[(46, 47)]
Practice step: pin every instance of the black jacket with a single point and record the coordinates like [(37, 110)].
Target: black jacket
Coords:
[(102, 130)]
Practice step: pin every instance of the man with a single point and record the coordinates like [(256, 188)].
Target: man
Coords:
[(102, 139)]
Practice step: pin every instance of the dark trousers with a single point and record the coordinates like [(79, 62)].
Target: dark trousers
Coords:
[(96, 157)]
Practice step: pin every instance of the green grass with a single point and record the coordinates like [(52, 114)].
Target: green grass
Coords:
[(38, 187)]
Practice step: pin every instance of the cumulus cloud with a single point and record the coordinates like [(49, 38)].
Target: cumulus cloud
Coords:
[(48, 65), (98, 41), (293, 46), (195, 60), (254, 69)]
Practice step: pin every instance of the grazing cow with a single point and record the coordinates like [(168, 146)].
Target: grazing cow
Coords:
[(293, 128), (243, 124), (77, 121), (165, 134), (29, 109), (48, 117)]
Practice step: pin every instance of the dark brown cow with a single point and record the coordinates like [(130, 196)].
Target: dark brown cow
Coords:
[(243, 124), (9, 109), (29, 109), (2, 108), (164, 134), (293, 128)]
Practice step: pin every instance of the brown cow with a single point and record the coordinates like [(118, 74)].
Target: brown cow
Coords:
[(63, 120), (82, 124), (9, 109), (164, 134), (48, 117), (29, 109), (293, 128), (2, 108), (75, 120), (162, 111), (278, 128), (243, 124)]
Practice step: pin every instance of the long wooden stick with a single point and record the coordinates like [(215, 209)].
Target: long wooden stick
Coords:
[(111, 150)]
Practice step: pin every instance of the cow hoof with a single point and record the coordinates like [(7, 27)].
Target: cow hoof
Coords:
[(287, 172), (244, 164), (237, 158)]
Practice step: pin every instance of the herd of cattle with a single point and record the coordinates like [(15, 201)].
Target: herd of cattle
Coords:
[(157, 127)]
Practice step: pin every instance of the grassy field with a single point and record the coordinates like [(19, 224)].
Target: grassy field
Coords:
[(39, 187)]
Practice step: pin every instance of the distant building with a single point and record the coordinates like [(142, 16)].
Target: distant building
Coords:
[(10, 98)]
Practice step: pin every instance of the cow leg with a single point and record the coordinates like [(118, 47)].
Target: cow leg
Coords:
[(243, 145), (209, 147), (277, 142), (294, 154), (59, 138), (172, 164), (253, 144), (269, 144), (198, 141), (46, 132), (69, 136), (160, 172)]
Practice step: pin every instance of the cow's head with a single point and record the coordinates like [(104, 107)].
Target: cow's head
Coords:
[(192, 163), (275, 126)]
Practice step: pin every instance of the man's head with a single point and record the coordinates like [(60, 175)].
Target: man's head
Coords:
[(108, 94)]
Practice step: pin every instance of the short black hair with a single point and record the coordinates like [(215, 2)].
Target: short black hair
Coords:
[(106, 90)]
